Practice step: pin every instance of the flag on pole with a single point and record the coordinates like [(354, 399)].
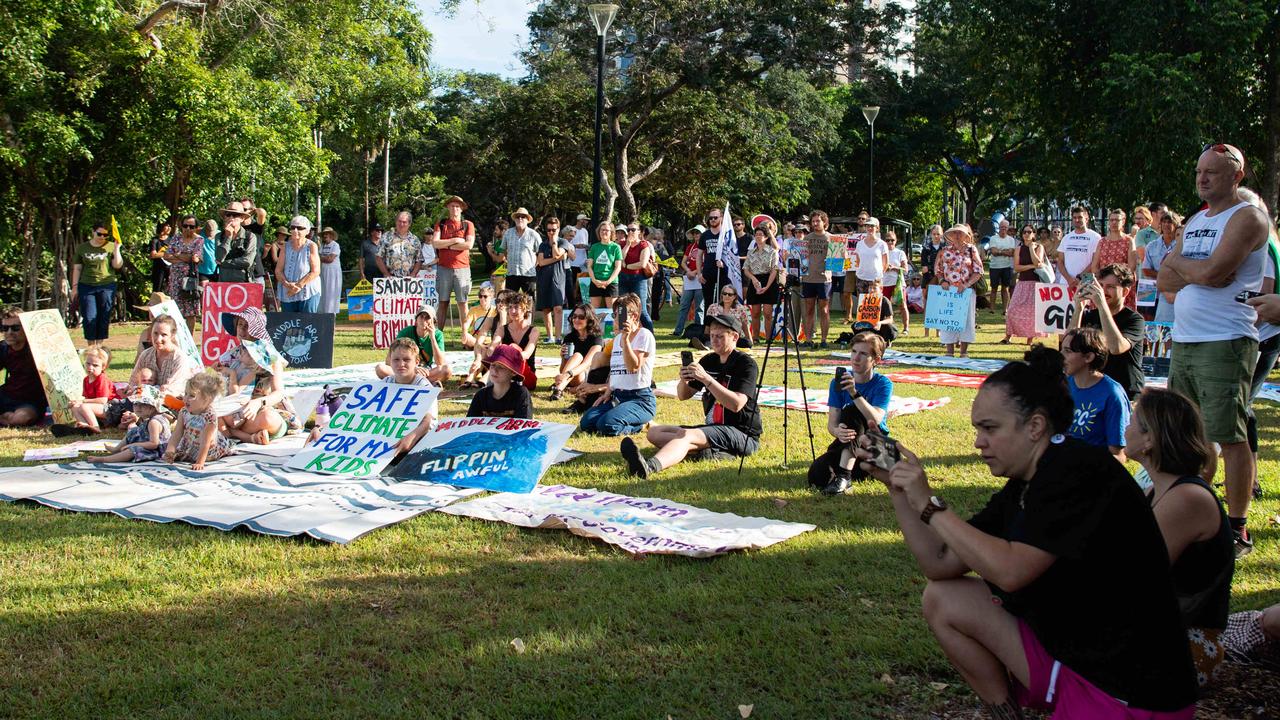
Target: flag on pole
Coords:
[(115, 231), (727, 253)]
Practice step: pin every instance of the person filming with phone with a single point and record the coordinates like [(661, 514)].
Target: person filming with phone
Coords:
[(727, 379), (859, 400)]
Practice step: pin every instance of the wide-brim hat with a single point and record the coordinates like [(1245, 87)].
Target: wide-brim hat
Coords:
[(329, 231), (282, 230), (264, 353), (758, 220), (519, 212), (157, 298), (509, 357), (148, 395), (699, 229), (961, 228), (460, 201), (583, 216), (235, 208), (254, 317)]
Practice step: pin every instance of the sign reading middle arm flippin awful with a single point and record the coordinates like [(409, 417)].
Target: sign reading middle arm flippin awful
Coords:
[(500, 454), (361, 437)]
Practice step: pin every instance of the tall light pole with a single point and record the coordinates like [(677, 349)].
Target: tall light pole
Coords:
[(870, 112), (602, 15)]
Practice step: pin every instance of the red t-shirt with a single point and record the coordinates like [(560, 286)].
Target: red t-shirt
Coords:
[(450, 230), (633, 256), (100, 388)]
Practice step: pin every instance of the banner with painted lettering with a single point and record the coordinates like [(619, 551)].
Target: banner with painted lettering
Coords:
[(219, 298), (360, 301), (850, 250), (56, 360), (186, 342), (637, 525), (361, 437), (499, 454), (395, 302), (947, 309), (429, 295), (304, 339), (869, 308), (1053, 308)]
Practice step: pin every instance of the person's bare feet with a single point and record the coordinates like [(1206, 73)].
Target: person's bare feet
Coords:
[(262, 437)]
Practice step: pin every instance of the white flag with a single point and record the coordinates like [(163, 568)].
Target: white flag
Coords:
[(727, 253)]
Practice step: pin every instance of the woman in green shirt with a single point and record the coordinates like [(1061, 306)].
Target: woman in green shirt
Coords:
[(93, 281), (604, 262)]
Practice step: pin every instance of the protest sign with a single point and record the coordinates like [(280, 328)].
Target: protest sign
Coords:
[(428, 277), (219, 298), (948, 309), (499, 454), (56, 360), (186, 343), (361, 437), (304, 339), (1147, 293), (395, 302), (850, 250), (1053, 308), (360, 301), (1158, 340), (869, 308), (637, 525)]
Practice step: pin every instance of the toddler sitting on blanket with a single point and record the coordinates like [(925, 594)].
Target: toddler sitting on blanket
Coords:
[(195, 437), (144, 440)]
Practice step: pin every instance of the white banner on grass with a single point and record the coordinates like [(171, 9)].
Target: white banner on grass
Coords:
[(637, 525)]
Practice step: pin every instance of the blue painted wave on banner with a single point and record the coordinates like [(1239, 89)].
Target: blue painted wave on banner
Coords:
[(492, 461)]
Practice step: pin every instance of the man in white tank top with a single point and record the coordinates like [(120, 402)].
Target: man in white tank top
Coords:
[(1215, 341)]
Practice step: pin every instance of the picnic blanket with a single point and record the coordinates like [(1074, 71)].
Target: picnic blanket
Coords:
[(773, 396)]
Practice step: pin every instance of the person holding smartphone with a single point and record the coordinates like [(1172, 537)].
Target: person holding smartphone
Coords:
[(628, 403), (858, 398), (727, 378)]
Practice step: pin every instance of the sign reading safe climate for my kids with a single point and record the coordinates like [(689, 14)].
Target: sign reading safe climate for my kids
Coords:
[(221, 298), (361, 437), (500, 454)]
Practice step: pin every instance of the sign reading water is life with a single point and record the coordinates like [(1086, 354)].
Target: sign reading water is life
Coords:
[(947, 310), (362, 436)]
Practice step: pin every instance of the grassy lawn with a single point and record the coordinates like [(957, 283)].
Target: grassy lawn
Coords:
[(106, 617)]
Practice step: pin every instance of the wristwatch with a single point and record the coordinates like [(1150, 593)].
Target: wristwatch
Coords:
[(935, 504)]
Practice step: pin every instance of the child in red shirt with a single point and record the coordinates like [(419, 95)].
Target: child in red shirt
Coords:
[(98, 390)]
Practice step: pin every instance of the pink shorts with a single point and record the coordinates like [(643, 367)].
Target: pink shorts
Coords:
[(1056, 687)]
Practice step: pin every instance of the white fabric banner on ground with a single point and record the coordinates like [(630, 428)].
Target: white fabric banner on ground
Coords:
[(637, 525), (255, 494)]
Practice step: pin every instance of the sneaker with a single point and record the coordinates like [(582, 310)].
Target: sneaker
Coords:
[(1244, 543), (823, 345), (556, 394), (806, 345), (636, 465), (838, 484)]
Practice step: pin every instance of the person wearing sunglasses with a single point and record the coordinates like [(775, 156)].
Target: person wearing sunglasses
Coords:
[(22, 398), (298, 275), (184, 255), (93, 282), (582, 345)]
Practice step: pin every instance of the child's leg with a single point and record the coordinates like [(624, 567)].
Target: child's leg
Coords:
[(847, 460), (125, 455)]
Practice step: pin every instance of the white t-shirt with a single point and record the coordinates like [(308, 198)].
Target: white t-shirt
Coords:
[(896, 258), (1211, 314), (427, 254), (1077, 250), (581, 239), (999, 262), (622, 379), (872, 260)]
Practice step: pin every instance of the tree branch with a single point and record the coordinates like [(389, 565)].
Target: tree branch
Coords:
[(649, 170)]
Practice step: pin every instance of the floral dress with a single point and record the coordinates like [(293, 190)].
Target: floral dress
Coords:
[(188, 303), (1117, 252), (956, 267), (189, 444), (141, 432)]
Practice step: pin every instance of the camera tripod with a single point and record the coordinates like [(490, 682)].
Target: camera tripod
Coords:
[(790, 289)]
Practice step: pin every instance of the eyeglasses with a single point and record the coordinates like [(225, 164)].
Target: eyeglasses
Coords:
[(299, 228), (190, 226), (99, 234), (1028, 231), (11, 328)]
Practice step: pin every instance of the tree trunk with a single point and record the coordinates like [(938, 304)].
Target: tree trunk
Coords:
[(622, 169), (1270, 161), (31, 253)]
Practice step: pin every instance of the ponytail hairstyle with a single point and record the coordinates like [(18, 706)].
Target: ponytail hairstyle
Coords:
[(1036, 384)]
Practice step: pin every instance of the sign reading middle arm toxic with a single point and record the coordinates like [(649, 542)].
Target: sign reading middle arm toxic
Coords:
[(500, 454), (361, 437)]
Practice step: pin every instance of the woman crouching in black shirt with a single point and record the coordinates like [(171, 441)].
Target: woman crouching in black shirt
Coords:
[(1074, 607)]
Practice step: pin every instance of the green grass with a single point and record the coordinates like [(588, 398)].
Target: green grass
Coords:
[(106, 617)]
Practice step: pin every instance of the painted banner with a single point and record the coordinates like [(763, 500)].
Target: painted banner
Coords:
[(429, 295), (1053, 308), (395, 302), (637, 525), (218, 298), (869, 308), (499, 454), (1147, 293), (947, 310), (252, 493), (304, 339), (849, 251), (1158, 340), (360, 301), (361, 437), (942, 379), (56, 359), (186, 343)]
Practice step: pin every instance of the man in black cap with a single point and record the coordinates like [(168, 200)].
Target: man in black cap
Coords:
[(369, 253), (727, 379)]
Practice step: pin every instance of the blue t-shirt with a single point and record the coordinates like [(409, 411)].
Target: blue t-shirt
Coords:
[(1101, 413), (877, 391)]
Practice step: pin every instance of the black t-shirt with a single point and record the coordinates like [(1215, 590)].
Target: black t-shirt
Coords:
[(515, 404), (21, 379), (1126, 368), (709, 244), (739, 374), (581, 345), (1106, 607)]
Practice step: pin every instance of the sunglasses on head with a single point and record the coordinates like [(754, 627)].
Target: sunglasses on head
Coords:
[(17, 327), (1225, 149)]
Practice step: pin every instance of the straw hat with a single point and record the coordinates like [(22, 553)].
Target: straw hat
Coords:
[(519, 212), (157, 298), (235, 208), (961, 228), (460, 201)]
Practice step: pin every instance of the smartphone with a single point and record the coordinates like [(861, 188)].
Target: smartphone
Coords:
[(840, 373), (619, 317), (1247, 295), (686, 358), (1085, 278)]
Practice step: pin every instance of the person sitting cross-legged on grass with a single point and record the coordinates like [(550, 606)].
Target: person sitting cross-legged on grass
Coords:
[(727, 379), (1073, 607), (628, 404), (858, 399), (505, 395)]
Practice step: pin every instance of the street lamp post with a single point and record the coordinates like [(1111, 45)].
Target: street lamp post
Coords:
[(870, 112), (602, 15)]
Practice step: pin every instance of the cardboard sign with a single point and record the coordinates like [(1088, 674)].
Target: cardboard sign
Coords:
[(948, 310), (395, 302), (56, 360), (500, 454), (360, 301), (361, 437), (1147, 294), (186, 343), (1053, 308), (304, 339), (428, 277), (869, 308), (219, 298), (850, 250)]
